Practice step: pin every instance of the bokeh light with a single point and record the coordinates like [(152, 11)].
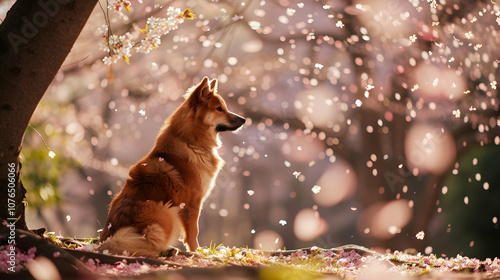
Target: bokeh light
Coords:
[(338, 183), (314, 100), (430, 149), (268, 240), (439, 83), (384, 220), (308, 225)]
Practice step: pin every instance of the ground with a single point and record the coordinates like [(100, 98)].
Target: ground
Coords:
[(55, 256)]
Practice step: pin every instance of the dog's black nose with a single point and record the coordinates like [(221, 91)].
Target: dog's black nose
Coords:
[(242, 119)]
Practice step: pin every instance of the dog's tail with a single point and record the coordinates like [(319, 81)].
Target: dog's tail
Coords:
[(156, 237)]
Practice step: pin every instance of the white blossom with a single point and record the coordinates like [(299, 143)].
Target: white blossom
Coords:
[(157, 27), (119, 47)]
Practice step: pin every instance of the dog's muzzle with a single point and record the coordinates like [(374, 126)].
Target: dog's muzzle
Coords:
[(235, 121)]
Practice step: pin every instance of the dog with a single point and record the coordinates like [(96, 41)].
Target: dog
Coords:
[(163, 196)]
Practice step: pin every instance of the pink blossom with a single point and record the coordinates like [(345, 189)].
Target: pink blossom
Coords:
[(21, 257)]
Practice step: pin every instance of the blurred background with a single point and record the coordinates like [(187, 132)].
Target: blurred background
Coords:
[(368, 122)]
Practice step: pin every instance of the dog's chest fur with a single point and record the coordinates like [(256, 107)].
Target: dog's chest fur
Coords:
[(209, 165)]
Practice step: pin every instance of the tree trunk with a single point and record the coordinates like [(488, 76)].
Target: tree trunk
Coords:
[(35, 38)]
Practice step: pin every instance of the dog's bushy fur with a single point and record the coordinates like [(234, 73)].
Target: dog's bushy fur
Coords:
[(164, 193)]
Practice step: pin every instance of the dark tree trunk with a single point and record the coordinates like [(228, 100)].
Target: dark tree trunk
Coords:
[(35, 38)]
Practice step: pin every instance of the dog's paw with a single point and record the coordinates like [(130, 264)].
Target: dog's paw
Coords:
[(190, 254), (170, 252)]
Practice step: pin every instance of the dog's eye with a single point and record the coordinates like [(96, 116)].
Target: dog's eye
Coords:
[(219, 109)]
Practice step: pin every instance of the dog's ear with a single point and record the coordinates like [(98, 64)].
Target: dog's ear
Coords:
[(205, 90), (214, 85), (200, 93)]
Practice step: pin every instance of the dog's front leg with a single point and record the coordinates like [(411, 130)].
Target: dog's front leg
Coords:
[(190, 217)]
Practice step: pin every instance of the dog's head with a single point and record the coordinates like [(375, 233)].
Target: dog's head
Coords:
[(210, 109)]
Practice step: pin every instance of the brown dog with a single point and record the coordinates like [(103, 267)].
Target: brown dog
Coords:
[(164, 194)]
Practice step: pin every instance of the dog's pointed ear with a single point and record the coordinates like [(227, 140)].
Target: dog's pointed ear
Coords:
[(214, 85), (205, 91), (203, 88), (200, 92)]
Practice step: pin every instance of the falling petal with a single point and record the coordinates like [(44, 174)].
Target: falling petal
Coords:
[(420, 235), (315, 189)]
